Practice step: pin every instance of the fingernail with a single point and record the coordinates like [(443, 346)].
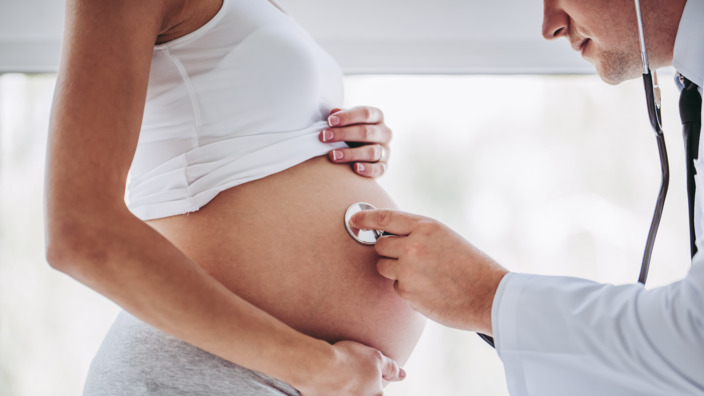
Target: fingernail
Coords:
[(401, 373), (332, 120), (360, 167), (336, 155), (327, 135)]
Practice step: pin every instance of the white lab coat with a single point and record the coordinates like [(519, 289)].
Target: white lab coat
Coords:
[(565, 336)]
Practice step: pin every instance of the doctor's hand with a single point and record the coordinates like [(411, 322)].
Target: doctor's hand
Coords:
[(364, 130), (440, 274)]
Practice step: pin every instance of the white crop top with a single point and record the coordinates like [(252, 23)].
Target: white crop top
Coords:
[(241, 98)]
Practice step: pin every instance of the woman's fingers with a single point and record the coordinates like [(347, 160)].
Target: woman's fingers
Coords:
[(364, 131), (355, 115), (369, 170), (390, 371), (369, 161), (369, 153)]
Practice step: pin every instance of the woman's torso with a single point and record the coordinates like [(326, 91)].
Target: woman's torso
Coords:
[(278, 241)]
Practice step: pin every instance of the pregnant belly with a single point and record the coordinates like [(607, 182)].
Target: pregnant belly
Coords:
[(280, 243)]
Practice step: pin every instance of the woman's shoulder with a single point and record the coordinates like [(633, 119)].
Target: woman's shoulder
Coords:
[(169, 19), (186, 16)]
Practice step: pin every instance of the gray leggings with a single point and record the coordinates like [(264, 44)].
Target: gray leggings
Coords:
[(136, 359)]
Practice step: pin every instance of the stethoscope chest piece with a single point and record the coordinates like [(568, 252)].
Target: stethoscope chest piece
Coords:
[(366, 237)]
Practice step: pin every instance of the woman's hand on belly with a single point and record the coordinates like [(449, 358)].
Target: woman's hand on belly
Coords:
[(363, 128), (358, 370)]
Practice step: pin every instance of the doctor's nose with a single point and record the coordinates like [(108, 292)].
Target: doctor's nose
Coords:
[(555, 21)]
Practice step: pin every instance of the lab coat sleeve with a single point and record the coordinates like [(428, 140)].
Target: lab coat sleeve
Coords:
[(567, 336)]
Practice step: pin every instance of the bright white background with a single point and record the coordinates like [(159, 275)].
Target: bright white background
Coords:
[(548, 174)]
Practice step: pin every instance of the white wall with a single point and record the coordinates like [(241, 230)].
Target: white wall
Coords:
[(448, 36), (30, 34), (366, 36)]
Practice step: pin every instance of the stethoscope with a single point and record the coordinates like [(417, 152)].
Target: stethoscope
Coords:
[(365, 237), (652, 95)]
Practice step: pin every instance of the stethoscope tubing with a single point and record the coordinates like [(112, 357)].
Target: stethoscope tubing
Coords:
[(652, 98)]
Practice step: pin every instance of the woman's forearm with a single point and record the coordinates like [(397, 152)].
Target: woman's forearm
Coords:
[(127, 261)]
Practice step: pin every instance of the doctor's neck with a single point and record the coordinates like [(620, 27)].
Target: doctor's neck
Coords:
[(661, 20)]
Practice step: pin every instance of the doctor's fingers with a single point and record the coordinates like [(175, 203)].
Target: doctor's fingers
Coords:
[(392, 221), (388, 268), (406, 279), (392, 246)]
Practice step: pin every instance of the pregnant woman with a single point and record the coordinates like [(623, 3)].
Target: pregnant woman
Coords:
[(230, 259)]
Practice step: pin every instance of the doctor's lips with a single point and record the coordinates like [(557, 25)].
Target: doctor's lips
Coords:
[(581, 45)]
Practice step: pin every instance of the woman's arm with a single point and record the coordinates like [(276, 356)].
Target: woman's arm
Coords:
[(91, 236)]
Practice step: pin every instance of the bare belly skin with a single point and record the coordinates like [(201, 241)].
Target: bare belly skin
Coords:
[(281, 244)]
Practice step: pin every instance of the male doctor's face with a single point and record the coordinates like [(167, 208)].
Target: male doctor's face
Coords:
[(605, 32)]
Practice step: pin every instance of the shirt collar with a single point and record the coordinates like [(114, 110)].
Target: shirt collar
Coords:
[(688, 56)]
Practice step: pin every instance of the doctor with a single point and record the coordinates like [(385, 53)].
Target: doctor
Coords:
[(559, 335)]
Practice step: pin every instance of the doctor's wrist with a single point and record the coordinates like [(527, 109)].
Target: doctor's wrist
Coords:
[(483, 322)]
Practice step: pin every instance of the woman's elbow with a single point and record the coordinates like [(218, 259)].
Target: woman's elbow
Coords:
[(71, 246)]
